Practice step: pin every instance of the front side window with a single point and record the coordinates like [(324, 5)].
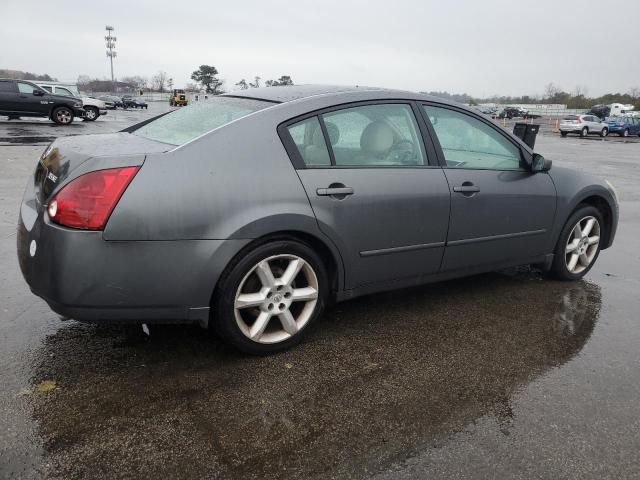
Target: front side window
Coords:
[(470, 143), (26, 88), (47, 88), (375, 135), (187, 123), (309, 140)]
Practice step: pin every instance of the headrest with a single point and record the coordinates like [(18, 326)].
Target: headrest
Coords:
[(377, 138)]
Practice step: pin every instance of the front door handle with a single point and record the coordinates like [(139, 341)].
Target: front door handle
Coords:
[(336, 190), (467, 188)]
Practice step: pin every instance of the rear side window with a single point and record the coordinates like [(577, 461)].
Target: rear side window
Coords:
[(7, 87), (187, 123), (309, 140)]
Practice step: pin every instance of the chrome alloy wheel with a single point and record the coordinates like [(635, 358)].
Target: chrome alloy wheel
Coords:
[(64, 116), (276, 299), (582, 245)]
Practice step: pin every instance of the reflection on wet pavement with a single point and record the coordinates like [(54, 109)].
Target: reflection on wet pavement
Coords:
[(378, 379)]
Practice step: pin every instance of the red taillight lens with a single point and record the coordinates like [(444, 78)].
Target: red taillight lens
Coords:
[(578, 120), (87, 201)]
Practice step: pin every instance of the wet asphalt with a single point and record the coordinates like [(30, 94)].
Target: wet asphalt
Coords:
[(503, 375)]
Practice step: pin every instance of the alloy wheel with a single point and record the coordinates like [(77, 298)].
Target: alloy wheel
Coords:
[(64, 116), (582, 245), (90, 114), (276, 299)]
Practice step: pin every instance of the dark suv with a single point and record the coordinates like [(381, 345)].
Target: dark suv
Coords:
[(20, 98)]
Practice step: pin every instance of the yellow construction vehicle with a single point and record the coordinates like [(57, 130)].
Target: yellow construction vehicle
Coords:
[(178, 98)]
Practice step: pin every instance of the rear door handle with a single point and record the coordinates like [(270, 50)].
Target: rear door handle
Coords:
[(342, 191), (466, 189)]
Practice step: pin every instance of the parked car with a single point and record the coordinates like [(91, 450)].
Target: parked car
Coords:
[(600, 111), (624, 125), (93, 107), (513, 112), (129, 102), (22, 98), (139, 103), (115, 100), (583, 125), (284, 207)]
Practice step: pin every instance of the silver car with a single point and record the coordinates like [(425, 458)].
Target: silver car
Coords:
[(583, 125)]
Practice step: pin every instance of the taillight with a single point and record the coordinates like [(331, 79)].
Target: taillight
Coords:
[(87, 201), (578, 120)]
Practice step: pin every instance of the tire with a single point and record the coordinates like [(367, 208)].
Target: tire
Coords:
[(246, 275), (625, 133), (563, 134), (584, 132), (604, 132), (562, 260), (62, 116), (91, 114)]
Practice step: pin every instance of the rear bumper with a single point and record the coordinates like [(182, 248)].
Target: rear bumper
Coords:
[(82, 276)]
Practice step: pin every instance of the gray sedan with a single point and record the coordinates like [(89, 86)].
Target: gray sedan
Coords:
[(250, 212)]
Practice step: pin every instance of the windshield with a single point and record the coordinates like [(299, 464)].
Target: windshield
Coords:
[(72, 88), (187, 123)]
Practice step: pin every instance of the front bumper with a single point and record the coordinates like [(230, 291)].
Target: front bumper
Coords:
[(84, 277)]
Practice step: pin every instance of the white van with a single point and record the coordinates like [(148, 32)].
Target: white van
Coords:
[(93, 107)]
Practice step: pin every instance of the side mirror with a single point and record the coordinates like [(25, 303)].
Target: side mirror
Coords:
[(540, 164), (38, 93)]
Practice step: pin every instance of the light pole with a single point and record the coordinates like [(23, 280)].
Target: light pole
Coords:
[(111, 45)]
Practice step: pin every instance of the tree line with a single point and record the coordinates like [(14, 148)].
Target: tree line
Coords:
[(206, 76), (553, 94)]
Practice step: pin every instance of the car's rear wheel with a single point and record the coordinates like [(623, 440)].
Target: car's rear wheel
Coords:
[(579, 244), (62, 116), (91, 113), (625, 133), (584, 132), (604, 132), (270, 296), (563, 134)]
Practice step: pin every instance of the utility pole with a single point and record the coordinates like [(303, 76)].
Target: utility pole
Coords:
[(111, 45)]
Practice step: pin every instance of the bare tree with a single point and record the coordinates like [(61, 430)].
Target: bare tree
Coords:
[(551, 90), (159, 81), (634, 92)]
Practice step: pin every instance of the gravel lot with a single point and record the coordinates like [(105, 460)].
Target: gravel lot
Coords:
[(504, 375)]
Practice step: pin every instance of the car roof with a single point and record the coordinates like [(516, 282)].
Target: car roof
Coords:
[(284, 94)]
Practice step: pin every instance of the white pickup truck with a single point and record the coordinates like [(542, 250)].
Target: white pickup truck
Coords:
[(93, 107)]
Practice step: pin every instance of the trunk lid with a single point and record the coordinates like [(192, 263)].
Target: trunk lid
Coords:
[(66, 154)]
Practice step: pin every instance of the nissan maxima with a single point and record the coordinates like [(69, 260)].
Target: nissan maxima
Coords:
[(250, 212)]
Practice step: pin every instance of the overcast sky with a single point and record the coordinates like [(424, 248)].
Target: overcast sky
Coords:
[(482, 47)]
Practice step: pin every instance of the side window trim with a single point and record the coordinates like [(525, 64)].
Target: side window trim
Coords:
[(427, 136), (327, 141), (524, 155)]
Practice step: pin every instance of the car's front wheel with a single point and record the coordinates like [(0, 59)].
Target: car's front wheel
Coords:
[(625, 133), (270, 296), (62, 116), (604, 132), (579, 244)]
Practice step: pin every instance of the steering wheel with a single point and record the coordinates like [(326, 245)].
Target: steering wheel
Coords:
[(401, 153)]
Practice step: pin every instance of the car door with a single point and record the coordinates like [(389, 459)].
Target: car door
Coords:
[(8, 95), (501, 213), (29, 102), (373, 191)]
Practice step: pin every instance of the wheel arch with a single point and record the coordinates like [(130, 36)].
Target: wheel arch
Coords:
[(322, 246), (600, 203)]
